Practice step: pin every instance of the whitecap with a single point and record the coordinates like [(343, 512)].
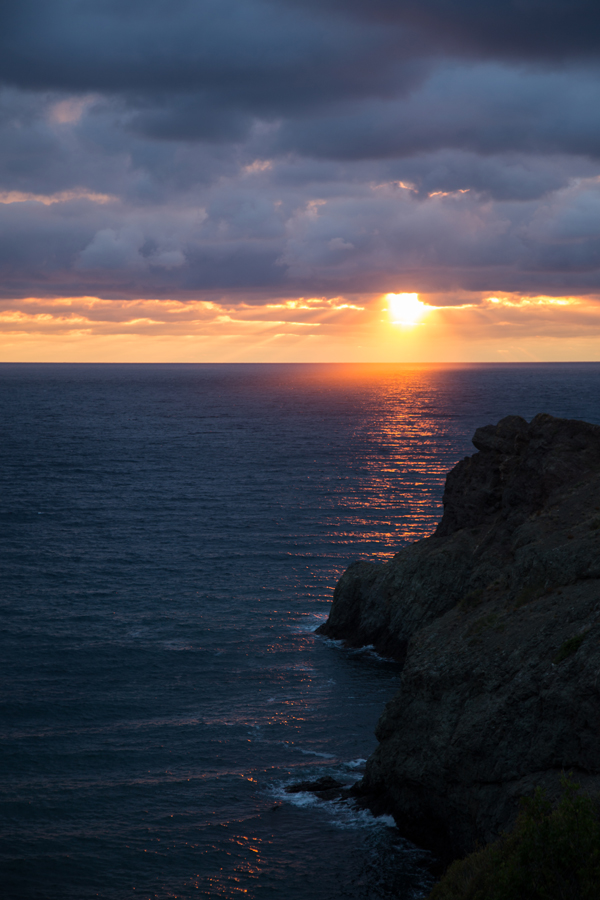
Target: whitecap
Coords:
[(366, 650), (302, 799), (355, 763), (315, 753), (343, 814), (309, 623)]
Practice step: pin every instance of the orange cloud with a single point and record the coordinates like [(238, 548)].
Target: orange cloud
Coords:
[(8, 197), (357, 328)]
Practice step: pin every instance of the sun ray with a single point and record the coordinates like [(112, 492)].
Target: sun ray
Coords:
[(406, 309)]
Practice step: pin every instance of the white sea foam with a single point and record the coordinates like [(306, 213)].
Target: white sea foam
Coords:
[(315, 753), (355, 763), (349, 816), (302, 799), (343, 814), (367, 650), (309, 623), (331, 642)]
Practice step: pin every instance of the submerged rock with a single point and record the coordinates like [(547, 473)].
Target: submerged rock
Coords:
[(325, 788), (496, 621), (326, 783)]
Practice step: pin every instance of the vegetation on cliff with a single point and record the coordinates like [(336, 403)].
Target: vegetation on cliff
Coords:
[(551, 854)]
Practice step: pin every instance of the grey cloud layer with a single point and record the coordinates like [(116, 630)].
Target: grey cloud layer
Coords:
[(259, 230), (248, 145), (483, 108)]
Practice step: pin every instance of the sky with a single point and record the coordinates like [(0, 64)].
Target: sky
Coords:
[(299, 180)]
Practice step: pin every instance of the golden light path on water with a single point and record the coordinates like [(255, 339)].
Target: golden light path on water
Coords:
[(401, 430)]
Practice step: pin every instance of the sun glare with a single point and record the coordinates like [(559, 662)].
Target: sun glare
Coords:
[(405, 309)]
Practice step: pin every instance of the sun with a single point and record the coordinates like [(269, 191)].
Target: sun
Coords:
[(405, 309)]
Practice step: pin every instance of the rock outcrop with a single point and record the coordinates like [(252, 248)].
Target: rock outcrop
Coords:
[(496, 621)]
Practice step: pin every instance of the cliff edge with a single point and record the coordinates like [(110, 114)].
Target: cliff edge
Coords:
[(495, 619)]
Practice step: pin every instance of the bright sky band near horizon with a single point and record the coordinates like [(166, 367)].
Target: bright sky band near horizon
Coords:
[(261, 181)]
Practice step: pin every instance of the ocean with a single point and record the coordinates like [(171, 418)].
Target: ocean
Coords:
[(171, 538)]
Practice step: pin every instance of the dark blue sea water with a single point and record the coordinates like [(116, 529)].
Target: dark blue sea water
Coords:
[(171, 536)]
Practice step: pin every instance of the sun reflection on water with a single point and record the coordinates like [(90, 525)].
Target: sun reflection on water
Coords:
[(407, 439)]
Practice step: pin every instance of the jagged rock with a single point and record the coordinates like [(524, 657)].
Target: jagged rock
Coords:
[(496, 620), (325, 788), (326, 783)]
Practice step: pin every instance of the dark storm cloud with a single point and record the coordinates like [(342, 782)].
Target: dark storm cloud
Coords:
[(168, 148), (273, 53), (357, 80), (251, 55), (521, 29), (364, 81), (486, 109)]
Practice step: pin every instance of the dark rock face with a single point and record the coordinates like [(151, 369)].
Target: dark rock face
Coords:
[(496, 619)]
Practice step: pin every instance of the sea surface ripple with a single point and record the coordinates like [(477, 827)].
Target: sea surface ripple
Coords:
[(171, 537)]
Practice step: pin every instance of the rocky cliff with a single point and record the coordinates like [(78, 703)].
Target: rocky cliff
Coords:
[(495, 619)]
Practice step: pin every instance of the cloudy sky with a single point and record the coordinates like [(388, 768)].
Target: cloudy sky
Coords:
[(251, 179)]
